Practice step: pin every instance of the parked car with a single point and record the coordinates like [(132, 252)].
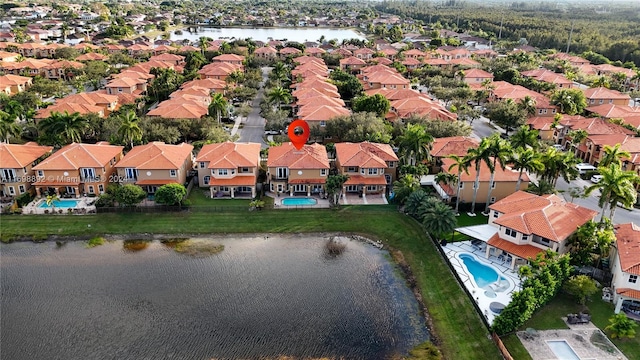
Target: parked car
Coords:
[(596, 179), (584, 167), (558, 147), (272, 132)]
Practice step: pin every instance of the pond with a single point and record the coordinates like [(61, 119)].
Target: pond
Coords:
[(266, 34), (275, 295)]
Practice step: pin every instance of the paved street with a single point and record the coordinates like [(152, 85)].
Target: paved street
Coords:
[(482, 128), (253, 126)]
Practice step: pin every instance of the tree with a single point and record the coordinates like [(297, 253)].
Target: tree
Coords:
[(8, 126), (543, 187), (524, 137), (165, 82), (66, 127), (477, 156), (358, 127), (621, 326), (348, 85), (194, 61), (51, 201), (95, 72), (218, 106), (376, 103), (616, 186), (571, 101), (129, 129), (438, 219), (577, 136), (279, 95), (582, 287), (525, 159), (528, 104), (558, 164), (613, 154), (415, 144), (500, 151), (404, 187), (129, 194), (170, 194), (461, 163), (413, 203), (591, 238), (67, 53), (507, 114), (47, 88), (334, 187)]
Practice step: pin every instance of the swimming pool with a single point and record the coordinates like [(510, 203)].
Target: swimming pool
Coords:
[(481, 273), (59, 204), (562, 350), (299, 202)]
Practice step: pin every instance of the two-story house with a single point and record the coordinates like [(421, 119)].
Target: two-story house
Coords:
[(625, 268), (602, 95), (16, 163), (371, 167), (296, 171), (155, 164), (527, 224), (13, 84), (77, 169), (229, 169)]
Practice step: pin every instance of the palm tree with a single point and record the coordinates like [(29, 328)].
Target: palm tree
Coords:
[(602, 81), (68, 126), (438, 219), (620, 326), (616, 186), (613, 154), (499, 150), (462, 164), (524, 137), (8, 126), (404, 187), (218, 106), (414, 202), (558, 164), (415, 144), (577, 136), (477, 156), (203, 42), (129, 128), (51, 202), (279, 95), (528, 104), (525, 160)]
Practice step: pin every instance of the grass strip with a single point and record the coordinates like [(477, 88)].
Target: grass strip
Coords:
[(457, 325)]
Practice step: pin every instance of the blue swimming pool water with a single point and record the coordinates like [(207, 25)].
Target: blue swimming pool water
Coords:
[(299, 201), (60, 204), (562, 350), (482, 274)]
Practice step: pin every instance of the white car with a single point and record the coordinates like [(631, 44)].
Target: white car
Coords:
[(596, 179)]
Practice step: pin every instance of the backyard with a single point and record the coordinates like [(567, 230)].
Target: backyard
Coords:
[(459, 330)]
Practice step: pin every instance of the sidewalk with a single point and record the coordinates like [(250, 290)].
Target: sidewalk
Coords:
[(236, 126)]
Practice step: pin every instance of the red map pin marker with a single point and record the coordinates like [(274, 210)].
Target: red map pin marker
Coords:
[(298, 133)]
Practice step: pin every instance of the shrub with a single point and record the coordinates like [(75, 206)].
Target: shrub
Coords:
[(95, 241), (24, 199)]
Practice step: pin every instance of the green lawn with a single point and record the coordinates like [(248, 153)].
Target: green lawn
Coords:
[(466, 220), (460, 332), (200, 198), (549, 317)]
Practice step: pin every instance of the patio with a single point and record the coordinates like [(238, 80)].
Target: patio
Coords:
[(85, 205), (587, 341)]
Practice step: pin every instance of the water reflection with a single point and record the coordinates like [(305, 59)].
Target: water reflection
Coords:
[(281, 296)]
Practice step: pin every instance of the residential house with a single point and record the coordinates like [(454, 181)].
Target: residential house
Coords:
[(352, 64), (8, 56), (372, 167), (229, 169), (442, 148), (602, 95), (592, 126), (625, 268), (318, 115), (503, 90), (544, 75), (476, 78), (155, 164), (13, 84), (297, 172), (229, 59), (526, 224), (364, 53), (126, 85), (266, 52), (77, 169), (16, 163)]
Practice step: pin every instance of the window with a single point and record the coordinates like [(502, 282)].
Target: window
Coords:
[(362, 171), (282, 173), (372, 188), (461, 185), (205, 180), (492, 200), (601, 101), (323, 123), (510, 232), (323, 172), (40, 173), (8, 174), (201, 164), (540, 111), (88, 173), (611, 101), (493, 185), (392, 164), (91, 191), (244, 170), (12, 191), (633, 278), (101, 188), (130, 173), (21, 189), (373, 171), (352, 169), (387, 178), (496, 214), (525, 237), (173, 173), (222, 172)]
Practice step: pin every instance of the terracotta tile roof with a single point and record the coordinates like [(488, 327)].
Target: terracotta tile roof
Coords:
[(188, 48), (179, 109), (594, 126), (83, 46), (70, 108), (611, 69), (212, 84), (399, 94), (389, 51), (89, 98), (504, 90), (305, 93), (363, 51), (13, 156), (604, 93), (314, 50), (123, 98), (156, 155), (320, 100), (164, 48), (547, 76), (464, 62), (455, 145), (124, 82), (315, 83), (352, 61), (382, 61), (411, 62), (134, 75), (92, 57), (549, 216), (234, 181), (228, 58), (386, 78), (413, 52), (265, 50), (522, 251), (290, 51), (477, 73), (628, 292), (75, 156), (540, 122), (613, 111), (628, 244), (322, 112), (342, 52), (230, 155), (13, 80), (364, 154), (312, 156), (436, 62), (366, 180), (167, 57)]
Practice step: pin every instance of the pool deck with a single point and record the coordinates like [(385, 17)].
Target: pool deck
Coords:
[(85, 206), (346, 199), (491, 293), (587, 341)]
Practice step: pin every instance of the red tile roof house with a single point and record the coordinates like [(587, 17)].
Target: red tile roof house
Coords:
[(475, 77), (266, 52), (625, 268), (16, 163), (504, 90), (318, 115), (77, 169), (602, 95), (593, 126), (352, 64), (155, 164), (550, 77), (229, 169), (529, 224), (371, 166), (447, 146), (14, 83), (298, 172)]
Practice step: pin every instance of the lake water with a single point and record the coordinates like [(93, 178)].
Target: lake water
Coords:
[(266, 34), (274, 296)]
